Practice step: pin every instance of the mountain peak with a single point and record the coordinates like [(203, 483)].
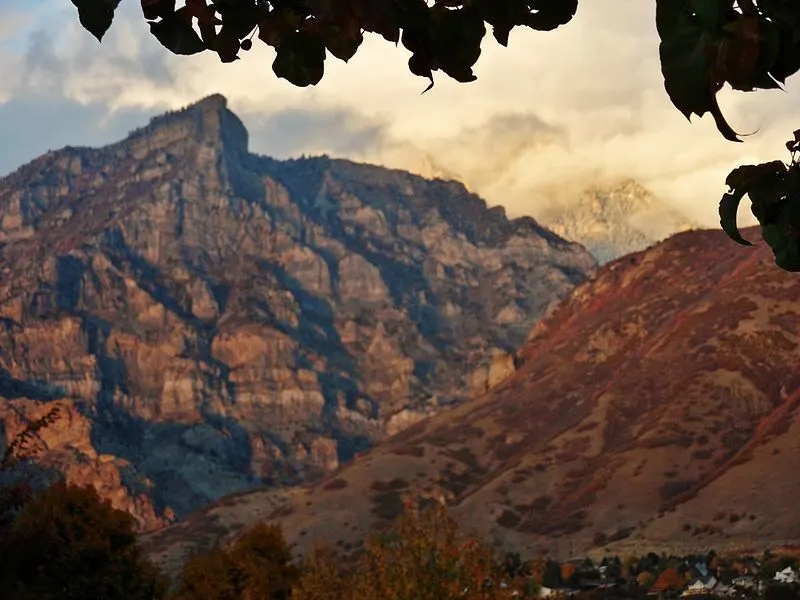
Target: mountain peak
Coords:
[(616, 219), (207, 121), (213, 102)]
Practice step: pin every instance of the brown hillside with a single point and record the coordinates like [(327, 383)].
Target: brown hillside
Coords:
[(656, 407)]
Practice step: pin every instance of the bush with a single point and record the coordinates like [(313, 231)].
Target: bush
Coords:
[(69, 545), (257, 565)]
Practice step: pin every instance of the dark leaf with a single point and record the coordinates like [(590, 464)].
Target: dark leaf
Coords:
[(689, 78), (96, 16), (273, 27), (240, 18), (457, 36), (784, 244), (156, 9), (550, 14), (208, 33), (728, 209), (381, 17), (343, 44), (300, 59), (787, 60), (204, 14), (686, 70), (503, 16), (710, 13), (747, 176), (177, 36), (736, 56), (227, 45)]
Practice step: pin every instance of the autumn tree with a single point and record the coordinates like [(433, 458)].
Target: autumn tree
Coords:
[(644, 579), (324, 576), (257, 566), (569, 573), (67, 544), (670, 579), (422, 557)]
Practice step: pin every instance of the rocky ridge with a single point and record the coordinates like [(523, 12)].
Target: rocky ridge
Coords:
[(614, 220), (213, 321)]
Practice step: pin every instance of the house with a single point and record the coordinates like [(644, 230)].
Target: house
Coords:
[(546, 592), (788, 575), (704, 587), (745, 582)]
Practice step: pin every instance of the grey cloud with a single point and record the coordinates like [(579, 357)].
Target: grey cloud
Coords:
[(294, 131), (32, 125), (43, 55)]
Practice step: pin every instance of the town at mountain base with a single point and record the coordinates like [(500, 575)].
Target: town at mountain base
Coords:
[(655, 409), (213, 321)]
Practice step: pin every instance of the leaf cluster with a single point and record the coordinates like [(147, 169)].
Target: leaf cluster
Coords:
[(442, 35), (774, 192), (748, 44)]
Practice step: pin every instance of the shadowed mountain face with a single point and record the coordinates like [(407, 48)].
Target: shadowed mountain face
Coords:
[(655, 409), (213, 320)]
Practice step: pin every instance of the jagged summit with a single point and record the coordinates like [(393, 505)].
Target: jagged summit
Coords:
[(208, 121), (210, 102)]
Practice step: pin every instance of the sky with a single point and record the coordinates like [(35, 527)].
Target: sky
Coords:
[(548, 116)]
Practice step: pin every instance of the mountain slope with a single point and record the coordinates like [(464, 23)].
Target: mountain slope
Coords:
[(213, 320), (657, 407), (615, 220)]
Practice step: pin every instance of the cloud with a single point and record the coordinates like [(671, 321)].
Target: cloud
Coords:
[(337, 131), (32, 125), (552, 113)]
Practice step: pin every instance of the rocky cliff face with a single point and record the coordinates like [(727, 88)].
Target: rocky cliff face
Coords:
[(615, 220), (213, 320)]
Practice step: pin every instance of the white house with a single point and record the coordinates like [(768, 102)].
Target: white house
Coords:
[(701, 587), (788, 575)]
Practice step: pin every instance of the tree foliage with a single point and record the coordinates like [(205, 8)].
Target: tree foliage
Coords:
[(257, 566), (67, 544), (704, 45), (423, 557), (670, 579)]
